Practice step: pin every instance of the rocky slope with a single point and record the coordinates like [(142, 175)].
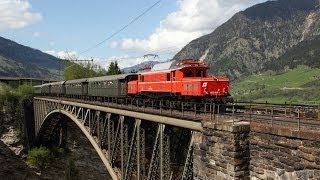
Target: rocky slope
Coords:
[(257, 36), (306, 52), (12, 143), (14, 147)]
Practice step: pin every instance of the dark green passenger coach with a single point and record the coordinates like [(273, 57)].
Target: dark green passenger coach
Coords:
[(110, 86), (76, 87)]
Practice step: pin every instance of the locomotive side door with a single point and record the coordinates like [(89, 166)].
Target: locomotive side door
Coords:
[(173, 82)]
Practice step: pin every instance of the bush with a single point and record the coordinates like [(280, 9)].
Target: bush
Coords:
[(9, 94), (42, 157), (24, 91), (39, 157)]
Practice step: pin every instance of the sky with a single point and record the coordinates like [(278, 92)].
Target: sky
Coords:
[(122, 30)]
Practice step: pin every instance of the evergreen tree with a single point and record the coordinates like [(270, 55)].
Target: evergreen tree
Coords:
[(113, 68)]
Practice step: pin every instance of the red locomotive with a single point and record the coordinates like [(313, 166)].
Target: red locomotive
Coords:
[(186, 79)]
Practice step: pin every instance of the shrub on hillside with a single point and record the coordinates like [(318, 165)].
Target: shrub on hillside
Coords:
[(39, 157), (24, 91), (42, 157)]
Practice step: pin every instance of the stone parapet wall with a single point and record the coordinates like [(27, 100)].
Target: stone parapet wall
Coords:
[(222, 151), (284, 153), (255, 151)]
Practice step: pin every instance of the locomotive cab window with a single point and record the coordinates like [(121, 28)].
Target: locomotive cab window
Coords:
[(141, 78), (201, 73), (188, 73), (168, 76)]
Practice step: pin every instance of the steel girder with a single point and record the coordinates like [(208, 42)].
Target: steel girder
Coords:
[(135, 148)]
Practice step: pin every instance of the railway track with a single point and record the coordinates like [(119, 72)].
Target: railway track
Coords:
[(293, 115)]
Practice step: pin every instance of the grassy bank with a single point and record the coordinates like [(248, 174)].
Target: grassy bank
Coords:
[(299, 85)]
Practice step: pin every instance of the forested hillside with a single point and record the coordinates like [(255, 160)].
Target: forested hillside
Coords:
[(17, 60)]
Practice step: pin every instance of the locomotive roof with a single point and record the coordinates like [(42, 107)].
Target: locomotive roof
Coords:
[(111, 77), (172, 65), (163, 66)]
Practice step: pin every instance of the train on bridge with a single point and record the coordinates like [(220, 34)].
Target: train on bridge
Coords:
[(185, 80)]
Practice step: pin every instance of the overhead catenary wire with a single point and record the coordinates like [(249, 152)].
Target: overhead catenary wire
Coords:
[(162, 51), (124, 27), (119, 59)]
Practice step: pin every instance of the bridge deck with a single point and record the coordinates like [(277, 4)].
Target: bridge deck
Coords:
[(179, 122)]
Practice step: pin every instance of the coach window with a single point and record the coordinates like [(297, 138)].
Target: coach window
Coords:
[(168, 76), (188, 73)]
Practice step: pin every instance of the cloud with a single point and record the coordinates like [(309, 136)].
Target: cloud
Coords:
[(36, 34), (72, 55), (123, 61), (193, 19), (15, 14)]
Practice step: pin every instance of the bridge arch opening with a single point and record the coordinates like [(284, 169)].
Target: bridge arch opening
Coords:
[(62, 129), (136, 145)]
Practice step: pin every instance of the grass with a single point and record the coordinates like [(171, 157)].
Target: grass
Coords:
[(300, 85)]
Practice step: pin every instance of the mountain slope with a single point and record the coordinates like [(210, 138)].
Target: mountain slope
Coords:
[(12, 68), (257, 36), (297, 85), (21, 61), (306, 52)]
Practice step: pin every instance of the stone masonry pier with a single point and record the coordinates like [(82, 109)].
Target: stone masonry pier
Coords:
[(254, 151)]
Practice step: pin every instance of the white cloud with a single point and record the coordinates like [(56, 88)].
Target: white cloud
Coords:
[(36, 34), (16, 14), (123, 61), (72, 55), (193, 19)]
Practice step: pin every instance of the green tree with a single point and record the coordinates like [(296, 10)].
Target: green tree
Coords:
[(82, 70), (113, 68)]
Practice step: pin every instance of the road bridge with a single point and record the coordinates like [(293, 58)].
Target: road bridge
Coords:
[(135, 142)]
